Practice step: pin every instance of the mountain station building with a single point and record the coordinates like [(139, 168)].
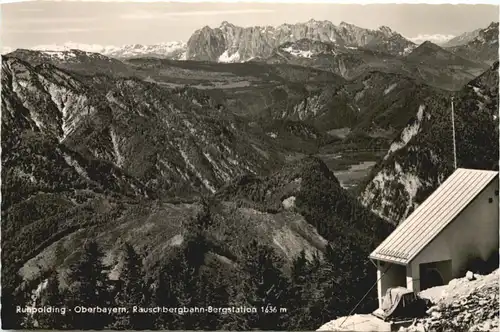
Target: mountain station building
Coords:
[(459, 222)]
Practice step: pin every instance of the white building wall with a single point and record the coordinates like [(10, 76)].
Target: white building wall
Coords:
[(410, 279), (474, 233), (395, 275)]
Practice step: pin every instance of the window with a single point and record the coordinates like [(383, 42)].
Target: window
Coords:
[(496, 192), (490, 200)]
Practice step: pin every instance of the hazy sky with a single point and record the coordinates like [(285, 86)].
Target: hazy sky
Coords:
[(34, 23)]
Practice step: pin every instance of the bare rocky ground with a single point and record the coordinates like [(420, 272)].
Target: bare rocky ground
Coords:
[(462, 305)]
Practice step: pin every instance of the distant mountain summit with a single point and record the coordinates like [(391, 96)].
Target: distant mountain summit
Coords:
[(439, 39), (462, 39), (427, 48), (231, 43), (483, 47), (170, 50), (429, 52)]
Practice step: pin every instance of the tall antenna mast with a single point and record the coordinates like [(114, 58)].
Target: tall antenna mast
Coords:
[(453, 126)]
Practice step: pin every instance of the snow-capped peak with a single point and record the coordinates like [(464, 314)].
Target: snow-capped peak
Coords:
[(94, 48), (438, 39), (297, 52), (168, 49), (161, 49), (225, 57)]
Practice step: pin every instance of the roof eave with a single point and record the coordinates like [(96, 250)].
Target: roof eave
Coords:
[(387, 259)]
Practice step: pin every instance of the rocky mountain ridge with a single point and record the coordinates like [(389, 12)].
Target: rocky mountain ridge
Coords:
[(483, 47), (106, 148), (430, 52), (426, 62), (171, 50), (420, 159), (376, 103), (231, 43), (462, 39), (72, 106)]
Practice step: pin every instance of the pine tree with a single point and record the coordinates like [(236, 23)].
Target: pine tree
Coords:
[(51, 296), (89, 288), (133, 292), (265, 288), (189, 287), (213, 291), (164, 296), (299, 310), (344, 255), (185, 271), (13, 297), (323, 283), (236, 298), (182, 283), (341, 279)]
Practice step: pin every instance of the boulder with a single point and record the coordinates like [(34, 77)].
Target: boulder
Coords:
[(470, 276), (289, 203)]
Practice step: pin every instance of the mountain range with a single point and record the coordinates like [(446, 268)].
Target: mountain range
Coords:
[(231, 43), (309, 141), (111, 157), (171, 50), (461, 39), (482, 47), (344, 49), (438, 39)]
